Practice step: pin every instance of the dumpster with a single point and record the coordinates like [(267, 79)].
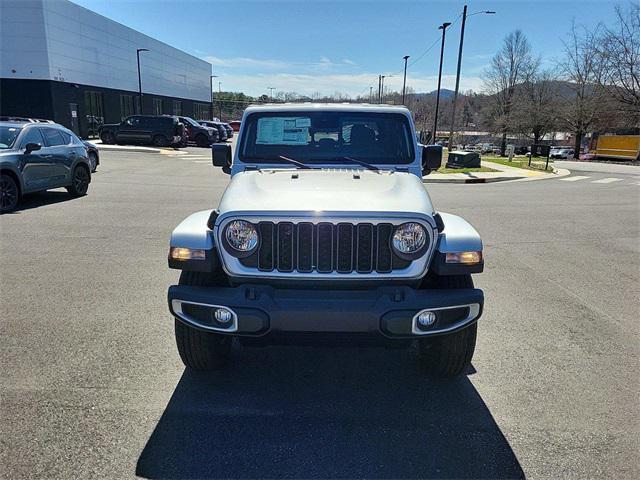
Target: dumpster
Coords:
[(463, 160)]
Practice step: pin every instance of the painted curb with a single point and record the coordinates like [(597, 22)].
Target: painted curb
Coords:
[(103, 148), (557, 173)]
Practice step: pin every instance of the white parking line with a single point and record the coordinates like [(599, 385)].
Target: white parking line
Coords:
[(608, 180), (202, 161), (574, 179)]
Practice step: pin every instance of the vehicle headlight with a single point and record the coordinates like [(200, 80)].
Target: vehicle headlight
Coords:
[(241, 237), (410, 240)]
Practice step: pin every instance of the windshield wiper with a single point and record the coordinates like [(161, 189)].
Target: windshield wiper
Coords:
[(295, 162), (366, 165)]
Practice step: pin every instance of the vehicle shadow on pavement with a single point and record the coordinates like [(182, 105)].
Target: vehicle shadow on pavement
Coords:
[(325, 413), (40, 199)]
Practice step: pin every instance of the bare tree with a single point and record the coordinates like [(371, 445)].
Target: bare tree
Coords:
[(585, 97), (509, 67), (536, 110), (619, 50)]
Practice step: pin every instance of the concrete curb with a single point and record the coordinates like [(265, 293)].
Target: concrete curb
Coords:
[(136, 149), (557, 173), (115, 148), (469, 180)]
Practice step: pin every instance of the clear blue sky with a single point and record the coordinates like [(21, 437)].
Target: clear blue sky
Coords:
[(307, 46)]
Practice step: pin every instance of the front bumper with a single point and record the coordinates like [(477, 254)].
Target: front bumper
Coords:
[(385, 311)]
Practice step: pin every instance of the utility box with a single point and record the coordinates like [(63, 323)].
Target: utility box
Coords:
[(459, 159)]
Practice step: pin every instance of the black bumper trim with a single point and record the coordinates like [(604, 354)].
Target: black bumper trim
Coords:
[(264, 309)]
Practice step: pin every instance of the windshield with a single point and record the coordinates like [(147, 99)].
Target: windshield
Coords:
[(191, 122), (326, 137), (8, 136)]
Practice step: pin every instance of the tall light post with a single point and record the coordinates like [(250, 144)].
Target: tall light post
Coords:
[(455, 95), (442, 27), (140, 78), (271, 89), (211, 90), (382, 77), (404, 81), (220, 99), (379, 88)]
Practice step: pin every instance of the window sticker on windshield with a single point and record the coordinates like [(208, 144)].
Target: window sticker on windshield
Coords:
[(283, 131)]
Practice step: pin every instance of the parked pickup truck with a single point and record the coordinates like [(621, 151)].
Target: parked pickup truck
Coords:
[(326, 230), (158, 130)]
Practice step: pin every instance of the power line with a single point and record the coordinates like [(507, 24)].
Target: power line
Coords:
[(421, 56)]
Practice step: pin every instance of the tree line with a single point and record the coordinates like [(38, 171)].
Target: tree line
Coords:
[(593, 87)]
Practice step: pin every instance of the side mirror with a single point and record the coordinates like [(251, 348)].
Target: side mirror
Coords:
[(32, 147), (222, 157), (431, 158)]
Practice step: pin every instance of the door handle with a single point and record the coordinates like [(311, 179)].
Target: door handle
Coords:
[(47, 156)]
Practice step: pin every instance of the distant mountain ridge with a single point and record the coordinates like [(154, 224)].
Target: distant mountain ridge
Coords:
[(445, 93)]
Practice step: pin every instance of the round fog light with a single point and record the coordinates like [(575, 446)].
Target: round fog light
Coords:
[(426, 319), (223, 315)]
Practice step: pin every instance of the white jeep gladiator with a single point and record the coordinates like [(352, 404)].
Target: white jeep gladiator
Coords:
[(326, 230)]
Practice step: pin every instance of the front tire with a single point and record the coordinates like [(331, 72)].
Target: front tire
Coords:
[(202, 141), (449, 355), (93, 160), (108, 138), (161, 141), (200, 350), (9, 194), (80, 179)]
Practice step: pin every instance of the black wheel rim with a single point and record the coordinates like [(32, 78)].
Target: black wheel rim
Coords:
[(81, 181), (8, 194)]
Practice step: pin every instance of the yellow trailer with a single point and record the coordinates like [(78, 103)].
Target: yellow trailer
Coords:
[(622, 147)]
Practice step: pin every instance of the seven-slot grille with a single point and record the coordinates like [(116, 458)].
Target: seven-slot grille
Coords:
[(325, 248)]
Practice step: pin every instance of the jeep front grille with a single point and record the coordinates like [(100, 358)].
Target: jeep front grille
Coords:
[(325, 248)]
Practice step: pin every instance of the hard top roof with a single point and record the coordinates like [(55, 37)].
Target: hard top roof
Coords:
[(332, 107)]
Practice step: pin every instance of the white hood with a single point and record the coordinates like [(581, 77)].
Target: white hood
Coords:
[(327, 190)]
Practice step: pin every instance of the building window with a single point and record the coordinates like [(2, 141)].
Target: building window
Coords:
[(201, 111), (94, 111), (177, 107), (157, 106), (126, 106)]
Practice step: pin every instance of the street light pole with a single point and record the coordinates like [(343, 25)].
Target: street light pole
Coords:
[(271, 95), (211, 90), (379, 91), (140, 78), (382, 88), (455, 95), (442, 27), (220, 99), (404, 82)]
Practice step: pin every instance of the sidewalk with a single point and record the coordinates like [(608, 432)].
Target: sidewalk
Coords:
[(503, 174)]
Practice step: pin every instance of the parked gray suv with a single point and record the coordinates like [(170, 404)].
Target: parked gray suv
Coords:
[(38, 156)]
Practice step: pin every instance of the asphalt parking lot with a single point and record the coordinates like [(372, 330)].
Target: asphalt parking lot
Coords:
[(92, 385)]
